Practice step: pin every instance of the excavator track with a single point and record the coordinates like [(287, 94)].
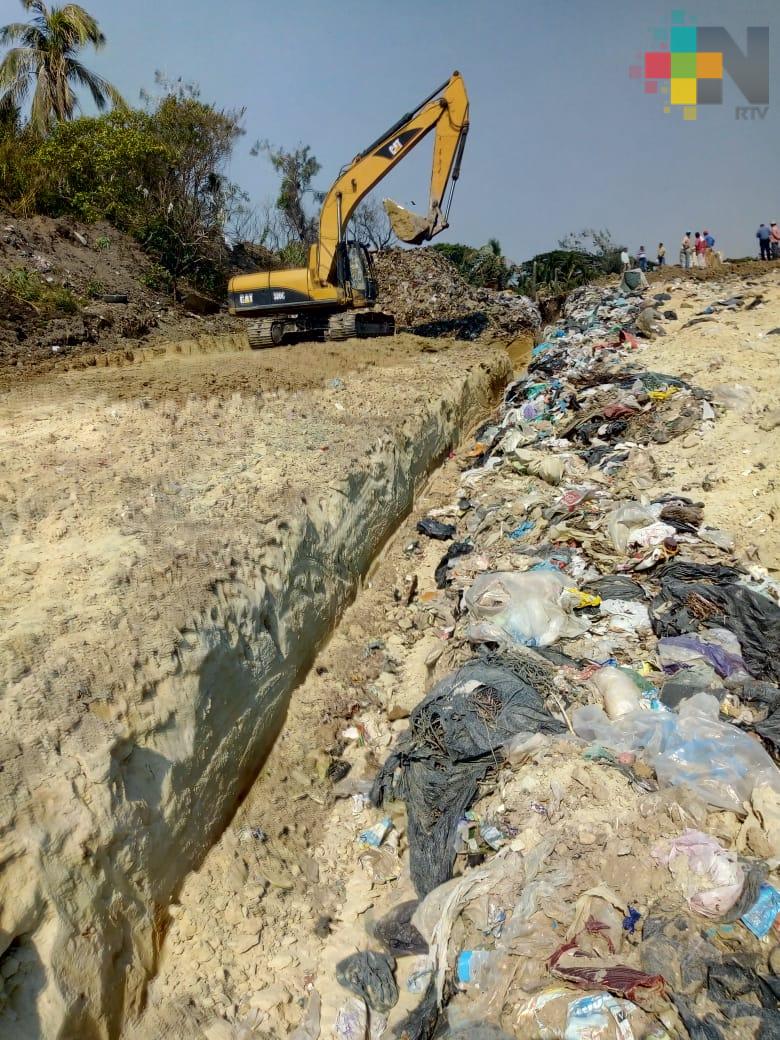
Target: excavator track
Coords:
[(272, 332), (260, 333), (359, 325)]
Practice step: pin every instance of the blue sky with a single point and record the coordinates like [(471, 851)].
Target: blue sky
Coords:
[(560, 137)]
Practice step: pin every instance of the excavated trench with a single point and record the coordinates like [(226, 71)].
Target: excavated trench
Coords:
[(139, 785)]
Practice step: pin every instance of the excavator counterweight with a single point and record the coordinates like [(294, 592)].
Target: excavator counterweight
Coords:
[(335, 294)]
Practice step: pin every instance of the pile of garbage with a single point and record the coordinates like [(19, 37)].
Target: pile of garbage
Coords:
[(578, 835), (427, 295)]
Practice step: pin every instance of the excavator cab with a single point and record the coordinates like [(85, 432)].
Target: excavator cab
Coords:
[(355, 273)]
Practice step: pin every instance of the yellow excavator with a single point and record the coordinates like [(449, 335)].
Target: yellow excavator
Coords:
[(334, 296)]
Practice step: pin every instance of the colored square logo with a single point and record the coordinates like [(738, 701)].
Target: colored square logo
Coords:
[(689, 113), (709, 92), (683, 66), (709, 65), (651, 86), (683, 92), (658, 65), (683, 38)]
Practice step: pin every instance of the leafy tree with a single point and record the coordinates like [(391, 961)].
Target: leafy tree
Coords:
[(595, 241), (50, 43), (158, 174), (297, 169)]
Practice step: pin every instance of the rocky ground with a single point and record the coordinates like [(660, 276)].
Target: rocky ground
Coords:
[(291, 887)]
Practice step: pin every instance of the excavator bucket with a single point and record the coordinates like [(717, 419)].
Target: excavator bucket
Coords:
[(408, 226)]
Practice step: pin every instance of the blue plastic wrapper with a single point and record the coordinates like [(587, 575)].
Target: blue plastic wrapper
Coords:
[(522, 530), (762, 914)]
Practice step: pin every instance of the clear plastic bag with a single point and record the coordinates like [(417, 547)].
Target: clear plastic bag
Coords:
[(526, 607), (715, 759), (621, 522)]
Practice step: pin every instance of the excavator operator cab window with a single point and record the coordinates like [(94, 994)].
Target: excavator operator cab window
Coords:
[(358, 267), (355, 272)]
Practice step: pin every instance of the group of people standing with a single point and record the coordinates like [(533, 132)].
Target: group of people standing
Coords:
[(769, 241), (698, 251)]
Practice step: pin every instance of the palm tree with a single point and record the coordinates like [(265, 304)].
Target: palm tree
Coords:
[(49, 45)]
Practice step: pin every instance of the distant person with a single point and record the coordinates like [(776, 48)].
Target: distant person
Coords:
[(625, 259), (709, 242), (774, 240), (685, 251), (642, 258), (700, 249), (661, 255), (764, 236)]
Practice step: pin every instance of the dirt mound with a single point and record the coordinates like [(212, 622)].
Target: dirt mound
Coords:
[(426, 294), (69, 289)]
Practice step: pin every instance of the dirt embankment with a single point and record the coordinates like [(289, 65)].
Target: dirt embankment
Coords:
[(179, 536), (74, 295)]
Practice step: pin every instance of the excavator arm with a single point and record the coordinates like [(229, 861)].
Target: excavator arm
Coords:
[(447, 111)]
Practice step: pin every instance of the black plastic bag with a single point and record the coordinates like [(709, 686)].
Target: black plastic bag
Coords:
[(695, 596), (370, 975), (454, 738), (442, 570), (434, 529)]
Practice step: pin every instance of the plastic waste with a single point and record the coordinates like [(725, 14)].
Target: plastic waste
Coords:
[(708, 874), (371, 976), (549, 468), (626, 616), (618, 691), (397, 933), (435, 529), (526, 607), (420, 973), (436, 765), (309, 1029), (692, 747), (558, 1013), (764, 913), (653, 534), (375, 835), (717, 646), (352, 1020), (442, 572), (473, 967), (522, 530), (626, 519)]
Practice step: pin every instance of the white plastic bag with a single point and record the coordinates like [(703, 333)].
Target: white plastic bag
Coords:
[(618, 691), (626, 519), (708, 874)]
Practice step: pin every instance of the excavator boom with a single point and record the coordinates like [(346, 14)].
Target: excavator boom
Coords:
[(447, 111)]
